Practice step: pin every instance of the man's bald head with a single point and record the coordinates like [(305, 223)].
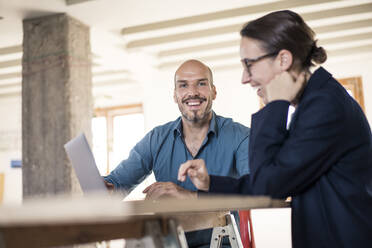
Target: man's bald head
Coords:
[(191, 67)]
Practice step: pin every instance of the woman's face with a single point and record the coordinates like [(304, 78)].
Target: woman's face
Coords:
[(259, 66)]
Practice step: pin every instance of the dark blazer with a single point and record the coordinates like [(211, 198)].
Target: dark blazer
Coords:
[(324, 161)]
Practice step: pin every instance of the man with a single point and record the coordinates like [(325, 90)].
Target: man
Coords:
[(198, 133)]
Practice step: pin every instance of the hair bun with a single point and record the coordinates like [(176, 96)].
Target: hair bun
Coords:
[(318, 54)]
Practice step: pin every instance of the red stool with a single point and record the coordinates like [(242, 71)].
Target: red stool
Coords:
[(246, 229)]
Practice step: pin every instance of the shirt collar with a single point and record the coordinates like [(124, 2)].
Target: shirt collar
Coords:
[(213, 127)]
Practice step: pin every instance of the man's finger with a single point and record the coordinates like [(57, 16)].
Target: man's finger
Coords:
[(150, 191), (182, 171), (157, 191), (152, 187), (147, 188), (108, 185), (192, 173)]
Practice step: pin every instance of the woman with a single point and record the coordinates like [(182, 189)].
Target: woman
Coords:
[(323, 160)]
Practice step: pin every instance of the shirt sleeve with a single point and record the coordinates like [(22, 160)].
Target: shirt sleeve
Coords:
[(241, 157), (132, 171), (286, 163)]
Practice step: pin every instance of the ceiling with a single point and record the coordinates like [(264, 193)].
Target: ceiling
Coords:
[(129, 34)]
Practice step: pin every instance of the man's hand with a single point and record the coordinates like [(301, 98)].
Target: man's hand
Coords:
[(109, 186), (167, 190), (197, 171), (285, 86)]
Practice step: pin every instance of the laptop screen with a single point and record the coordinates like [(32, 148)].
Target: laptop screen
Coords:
[(85, 167)]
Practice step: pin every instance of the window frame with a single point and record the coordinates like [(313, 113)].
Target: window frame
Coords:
[(354, 84), (110, 113)]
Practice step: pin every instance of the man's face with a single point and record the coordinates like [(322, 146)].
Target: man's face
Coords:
[(194, 92)]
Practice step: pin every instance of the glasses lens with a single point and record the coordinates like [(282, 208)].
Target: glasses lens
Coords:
[(246, 65)]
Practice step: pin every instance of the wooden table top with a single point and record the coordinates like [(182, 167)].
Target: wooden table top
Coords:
[(68, 220)]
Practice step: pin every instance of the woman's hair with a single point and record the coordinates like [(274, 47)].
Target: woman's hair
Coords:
[(286, 30)]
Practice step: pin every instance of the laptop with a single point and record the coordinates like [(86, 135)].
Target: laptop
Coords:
[(82, 160)]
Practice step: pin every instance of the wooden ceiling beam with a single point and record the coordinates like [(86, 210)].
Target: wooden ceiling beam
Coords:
[(234, 28), (235, 55), (220, 15), (11, 50)]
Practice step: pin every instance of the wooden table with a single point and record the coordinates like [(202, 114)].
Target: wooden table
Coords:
[(74, 220)]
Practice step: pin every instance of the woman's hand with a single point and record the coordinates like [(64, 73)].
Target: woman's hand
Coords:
[(285, 86)]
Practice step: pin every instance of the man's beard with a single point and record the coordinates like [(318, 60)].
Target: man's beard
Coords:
[(193, 115)]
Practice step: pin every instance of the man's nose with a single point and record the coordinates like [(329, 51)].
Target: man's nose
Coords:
[(193, 90)]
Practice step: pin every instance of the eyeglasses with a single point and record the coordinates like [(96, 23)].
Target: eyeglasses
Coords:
[(247, 63)]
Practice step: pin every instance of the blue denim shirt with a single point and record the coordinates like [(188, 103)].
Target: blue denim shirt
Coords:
[(163, 150)]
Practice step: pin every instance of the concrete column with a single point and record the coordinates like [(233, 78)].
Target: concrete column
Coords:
[(56, 101)]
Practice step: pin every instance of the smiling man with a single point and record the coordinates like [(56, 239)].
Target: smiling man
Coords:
[(194, 92), (198, 133)]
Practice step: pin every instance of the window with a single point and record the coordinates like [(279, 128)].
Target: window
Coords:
[(99, 130), (115, 131), (354, 87), (128, 130)]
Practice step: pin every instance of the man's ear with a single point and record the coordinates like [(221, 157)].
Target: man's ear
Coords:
[(285, 60), (214, 92), (174, 96)]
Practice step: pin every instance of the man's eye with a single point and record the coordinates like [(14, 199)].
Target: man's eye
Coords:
[(182, 85), (202, 83)]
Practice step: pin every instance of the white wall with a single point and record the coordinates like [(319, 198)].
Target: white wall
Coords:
[(11, 147), (355, 66), (234, 99), (158, 103)]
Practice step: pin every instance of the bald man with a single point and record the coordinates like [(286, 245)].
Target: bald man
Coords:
[(197, 134)]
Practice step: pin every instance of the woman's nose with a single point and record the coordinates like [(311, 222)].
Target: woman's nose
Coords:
[(246, 78)]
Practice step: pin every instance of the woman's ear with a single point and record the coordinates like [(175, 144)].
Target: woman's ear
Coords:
[(285, 60)]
